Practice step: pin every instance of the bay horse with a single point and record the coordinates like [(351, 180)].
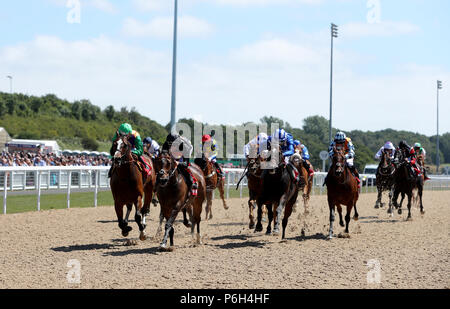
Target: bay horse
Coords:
[(279, 192), (130, 187), (306, 185), (405, 181), (174, 196), (385, 180), (342, 189), (213, 182)]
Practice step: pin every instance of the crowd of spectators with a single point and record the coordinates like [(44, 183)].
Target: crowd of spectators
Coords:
[(37, 159)]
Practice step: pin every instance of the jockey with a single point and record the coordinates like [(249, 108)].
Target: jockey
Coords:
[(151, 147), (259, 142), (420, 152), (210, 150), (409, 155), (303, 150), (286, 142), (388, 148), (136, 142), (341, 139), (180, 148)]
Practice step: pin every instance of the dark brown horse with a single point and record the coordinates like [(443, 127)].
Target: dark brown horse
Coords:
[(130, 186), (174, 196), (342, 190), (385, 179), (406, 181), (279, 194), (213, 182), (254, 182)]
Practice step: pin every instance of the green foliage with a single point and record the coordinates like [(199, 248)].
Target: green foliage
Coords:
[(89, 144), (83, 125)]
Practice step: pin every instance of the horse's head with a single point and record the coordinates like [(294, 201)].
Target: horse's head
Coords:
[(254, 165), (123, 151), (338, 160), (165, 167)]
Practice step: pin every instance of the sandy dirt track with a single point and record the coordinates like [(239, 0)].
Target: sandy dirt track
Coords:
[(35, 248)]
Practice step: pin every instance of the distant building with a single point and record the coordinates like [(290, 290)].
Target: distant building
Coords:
[(4, 138), (26, 145)]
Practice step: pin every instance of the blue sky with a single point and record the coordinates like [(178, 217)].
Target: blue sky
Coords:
[(252, 57)]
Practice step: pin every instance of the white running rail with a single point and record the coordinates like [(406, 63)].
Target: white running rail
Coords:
[(65, 178)]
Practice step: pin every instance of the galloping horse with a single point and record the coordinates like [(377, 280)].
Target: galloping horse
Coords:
[(254, 183), (405, 182), (306, 185), (213, 181), (128, 186), (279, 190), (342, 189), (385, 180), (173, 195)]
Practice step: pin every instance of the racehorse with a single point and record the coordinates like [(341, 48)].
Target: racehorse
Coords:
[(254, 183), (174, 196), (279, 191), (129, 185), (405, 181), (306, 185), (213, 181), (342, 189), (385, 180)]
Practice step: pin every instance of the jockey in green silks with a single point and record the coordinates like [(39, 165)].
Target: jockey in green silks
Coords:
[(134, 139)]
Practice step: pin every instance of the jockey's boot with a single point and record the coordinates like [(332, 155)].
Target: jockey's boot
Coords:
[(219, 170), (110, 171), (190, 179), (356, 174), (425, 174), (294, 172), (308, 167)]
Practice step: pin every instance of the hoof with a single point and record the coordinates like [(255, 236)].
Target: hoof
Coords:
[(276, 232), (187, 224), (376, 206), (409, 219), (258, 229), (389, 211), (251, 226), (400, 212), (268, 232), (344, 235), (126, 230), (356, 218), (166, 249), (422, 212), (330, 237), (142, 236), (341, 224)]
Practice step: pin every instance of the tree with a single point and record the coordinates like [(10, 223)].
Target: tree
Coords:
[(110, 112), (89, 143)]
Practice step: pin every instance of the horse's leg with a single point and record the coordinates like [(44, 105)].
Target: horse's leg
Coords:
[(356, 215), (158, 232), (390, 212), (129, 209), (380, 192), (259, 226), (420, 200), (279, 211), (332, 216), (409, 206), (270, 217), (287, 214), (139, 219), (401, 203), (169, 226), (221, 187), (208, 208), (347, 220), (185, 220), (251, 207), (122, 223), (339, 209), (195, 214)]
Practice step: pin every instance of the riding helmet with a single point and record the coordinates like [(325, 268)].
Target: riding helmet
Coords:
[(125, 128), (340, 137)]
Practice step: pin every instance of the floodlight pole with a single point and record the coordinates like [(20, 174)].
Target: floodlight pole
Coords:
[(174, 69), (438, 158), (334, 34)]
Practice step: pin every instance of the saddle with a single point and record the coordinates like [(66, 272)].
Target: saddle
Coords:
[(144, 167)]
